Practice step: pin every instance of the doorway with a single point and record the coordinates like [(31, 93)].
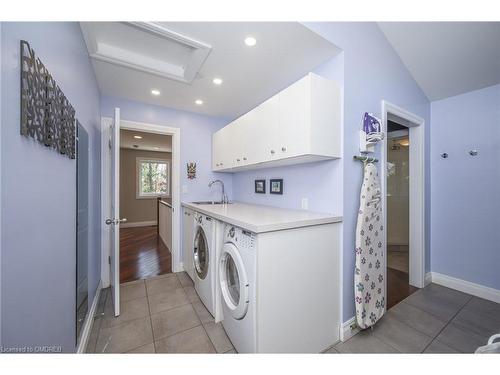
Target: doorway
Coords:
[(398, 213), (110, 202), (146, 203), (403, 201)]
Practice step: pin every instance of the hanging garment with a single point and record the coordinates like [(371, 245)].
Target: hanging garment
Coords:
[(369, 286)]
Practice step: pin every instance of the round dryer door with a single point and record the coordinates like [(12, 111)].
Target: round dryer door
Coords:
[(233, 281), (200, 253)]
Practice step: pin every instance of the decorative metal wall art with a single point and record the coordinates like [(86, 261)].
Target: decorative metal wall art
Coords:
[(46, 114), (191, 170)]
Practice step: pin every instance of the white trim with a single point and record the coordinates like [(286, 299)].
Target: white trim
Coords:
[(464, 286), (416, 127), (143, 159), (125, 57), (137, 224), (428, 278), (89, 321), (348, 329), (175, 176)]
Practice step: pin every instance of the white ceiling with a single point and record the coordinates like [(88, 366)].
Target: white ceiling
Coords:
[(448, 58), (285, 51), (149, 141)]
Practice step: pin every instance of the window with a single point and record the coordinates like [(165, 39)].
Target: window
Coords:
[(153, 178)]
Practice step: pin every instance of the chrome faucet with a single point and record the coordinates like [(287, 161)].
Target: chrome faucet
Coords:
[(224, 195)]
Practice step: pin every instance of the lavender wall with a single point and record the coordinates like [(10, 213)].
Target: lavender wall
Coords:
[(38, 194), (465, 213), (372, 72)]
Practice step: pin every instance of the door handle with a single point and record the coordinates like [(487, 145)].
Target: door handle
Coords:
[(115, 221)]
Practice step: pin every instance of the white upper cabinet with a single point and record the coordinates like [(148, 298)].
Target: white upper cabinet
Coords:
[(298, 125)]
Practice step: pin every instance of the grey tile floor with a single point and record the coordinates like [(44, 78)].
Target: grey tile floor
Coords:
[(434, 319), (165, 315), (158, 315)]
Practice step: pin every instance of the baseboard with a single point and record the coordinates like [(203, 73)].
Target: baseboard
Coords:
[(468, 287), (89, 321), (139, 224), (348, 329)]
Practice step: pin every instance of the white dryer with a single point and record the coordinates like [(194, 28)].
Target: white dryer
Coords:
[(205, 259), (237, 279)]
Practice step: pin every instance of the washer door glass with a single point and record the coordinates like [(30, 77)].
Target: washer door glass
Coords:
[(233, 281), (200, 253)]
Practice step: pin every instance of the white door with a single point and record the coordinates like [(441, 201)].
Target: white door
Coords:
[(113, 221)]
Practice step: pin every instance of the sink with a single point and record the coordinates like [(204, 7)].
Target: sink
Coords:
[(209, 202)]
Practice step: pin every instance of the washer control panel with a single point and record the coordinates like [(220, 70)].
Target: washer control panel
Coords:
[(240, 237)]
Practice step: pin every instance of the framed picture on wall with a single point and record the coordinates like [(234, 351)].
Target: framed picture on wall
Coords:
[(276, 186), (260, 186)]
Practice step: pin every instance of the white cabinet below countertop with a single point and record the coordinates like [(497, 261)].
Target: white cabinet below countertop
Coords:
[(300, 124)]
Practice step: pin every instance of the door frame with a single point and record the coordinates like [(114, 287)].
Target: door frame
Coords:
[(105, 186), (416, 127)]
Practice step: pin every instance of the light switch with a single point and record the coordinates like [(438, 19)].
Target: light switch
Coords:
[(305, 203), (184, 189)]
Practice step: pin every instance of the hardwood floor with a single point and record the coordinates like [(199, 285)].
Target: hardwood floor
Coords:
[(398, 287), (142, 254)]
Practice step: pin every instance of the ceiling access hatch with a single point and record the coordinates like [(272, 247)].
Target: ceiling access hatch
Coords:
[(146, 47)]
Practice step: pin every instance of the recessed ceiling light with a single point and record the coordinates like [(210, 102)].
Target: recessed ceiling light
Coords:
[(250, 41), (157, 148), (198, 102), (217, 81), (155, 92), (137, 137)]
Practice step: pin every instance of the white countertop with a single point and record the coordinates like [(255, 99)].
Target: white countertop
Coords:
[(260, 219)]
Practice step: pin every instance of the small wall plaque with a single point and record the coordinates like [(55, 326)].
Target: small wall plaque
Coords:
[(191, 171)]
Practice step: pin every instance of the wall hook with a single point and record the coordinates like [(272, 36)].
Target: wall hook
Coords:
[(444, 155), (473, 152)]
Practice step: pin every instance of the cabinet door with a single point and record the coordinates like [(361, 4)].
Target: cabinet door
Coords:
[(294, 119), (264, 127), (222, 143), (217, 149), (239, 141), (187, 243)]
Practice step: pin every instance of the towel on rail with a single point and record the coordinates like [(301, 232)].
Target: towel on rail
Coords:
[(369, 284)]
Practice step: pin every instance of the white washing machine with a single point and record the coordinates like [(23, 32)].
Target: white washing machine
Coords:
[(205, 259), (237, 278)]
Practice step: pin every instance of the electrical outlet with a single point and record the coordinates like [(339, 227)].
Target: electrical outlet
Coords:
[(305, 203)]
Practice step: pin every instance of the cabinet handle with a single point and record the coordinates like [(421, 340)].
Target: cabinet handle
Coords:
[(237, 159), (244, 158), (272, 152), (283, 148)]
